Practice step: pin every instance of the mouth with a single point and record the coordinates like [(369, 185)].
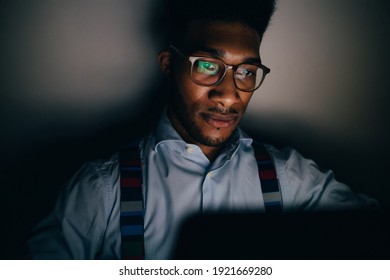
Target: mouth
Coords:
[(220, 120)]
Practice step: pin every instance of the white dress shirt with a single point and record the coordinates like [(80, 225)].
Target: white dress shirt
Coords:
[(179, 181)]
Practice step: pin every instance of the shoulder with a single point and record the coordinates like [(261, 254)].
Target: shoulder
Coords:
[(292, 163), (90, 195), (97, 173), (78, 225), (307, 186), (283, 158), (95, 185), (282, 154)]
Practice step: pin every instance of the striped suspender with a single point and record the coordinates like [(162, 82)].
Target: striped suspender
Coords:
[(268, 179), (132, 206)]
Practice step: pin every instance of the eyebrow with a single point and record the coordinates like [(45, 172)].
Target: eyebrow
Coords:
[(217, 53)]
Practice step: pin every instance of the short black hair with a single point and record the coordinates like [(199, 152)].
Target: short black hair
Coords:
[(255, 14)]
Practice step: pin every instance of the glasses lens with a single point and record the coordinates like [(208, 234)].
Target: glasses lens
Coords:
[(248, 77), (207, 71)]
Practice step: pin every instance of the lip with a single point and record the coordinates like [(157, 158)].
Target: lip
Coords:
[(220, 120)]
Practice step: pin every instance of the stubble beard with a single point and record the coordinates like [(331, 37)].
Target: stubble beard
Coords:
[(191, 127), (196, 133)]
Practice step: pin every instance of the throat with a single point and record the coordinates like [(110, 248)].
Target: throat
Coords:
[(210, 152)]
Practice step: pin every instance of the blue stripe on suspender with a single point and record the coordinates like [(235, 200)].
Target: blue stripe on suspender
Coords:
[(132, 213), (132, 230), (130, 168)]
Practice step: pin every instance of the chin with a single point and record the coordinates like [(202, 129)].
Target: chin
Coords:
[(215, 138)]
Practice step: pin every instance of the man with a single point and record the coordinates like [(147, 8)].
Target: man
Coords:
[(197, 159)]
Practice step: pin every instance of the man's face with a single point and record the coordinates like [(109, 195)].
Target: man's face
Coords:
[(208, 115)]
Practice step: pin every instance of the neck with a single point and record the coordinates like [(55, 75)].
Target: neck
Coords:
[(210, 152)]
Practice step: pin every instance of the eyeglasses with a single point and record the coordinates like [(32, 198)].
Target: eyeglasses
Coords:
[(209, 71)]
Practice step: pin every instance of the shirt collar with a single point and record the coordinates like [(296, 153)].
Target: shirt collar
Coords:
[(166, 132)]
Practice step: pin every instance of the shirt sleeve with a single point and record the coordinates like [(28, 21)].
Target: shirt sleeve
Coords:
[(85, 221), (306, 187)]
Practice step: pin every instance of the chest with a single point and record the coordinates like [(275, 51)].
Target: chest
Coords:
[(178, 185), (243, 180)]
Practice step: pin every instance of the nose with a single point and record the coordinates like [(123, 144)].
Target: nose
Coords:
[(225, 93)]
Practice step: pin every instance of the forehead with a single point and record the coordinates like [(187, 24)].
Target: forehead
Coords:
[(225, 36)]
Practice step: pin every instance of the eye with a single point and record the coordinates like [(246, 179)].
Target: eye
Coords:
[(244, 72), (207, 67)]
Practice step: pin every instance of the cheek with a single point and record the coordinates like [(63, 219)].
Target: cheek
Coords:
[(245, 98), (192, 96), (189, 92)]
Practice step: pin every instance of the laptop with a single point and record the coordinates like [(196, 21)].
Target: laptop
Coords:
[(280, 236)]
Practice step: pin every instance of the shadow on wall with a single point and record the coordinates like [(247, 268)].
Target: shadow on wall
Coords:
[(74, 67), (79, 79)]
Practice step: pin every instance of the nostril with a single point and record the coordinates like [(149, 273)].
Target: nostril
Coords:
[(224, 94)]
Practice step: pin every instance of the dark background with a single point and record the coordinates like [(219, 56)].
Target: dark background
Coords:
[(80, 78)]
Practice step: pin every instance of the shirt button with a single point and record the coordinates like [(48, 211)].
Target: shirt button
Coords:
[(190, 150), (210, 175)]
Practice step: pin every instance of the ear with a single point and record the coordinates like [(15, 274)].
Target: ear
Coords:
[(164, 59)]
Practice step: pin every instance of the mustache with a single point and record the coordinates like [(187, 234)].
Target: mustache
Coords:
[(223, 110)]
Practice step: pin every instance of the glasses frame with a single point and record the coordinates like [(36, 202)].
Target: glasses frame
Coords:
[(192, 59)]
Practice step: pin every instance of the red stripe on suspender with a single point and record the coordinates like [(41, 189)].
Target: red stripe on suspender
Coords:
[(267, 174), (131, 182), (262, 155)]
